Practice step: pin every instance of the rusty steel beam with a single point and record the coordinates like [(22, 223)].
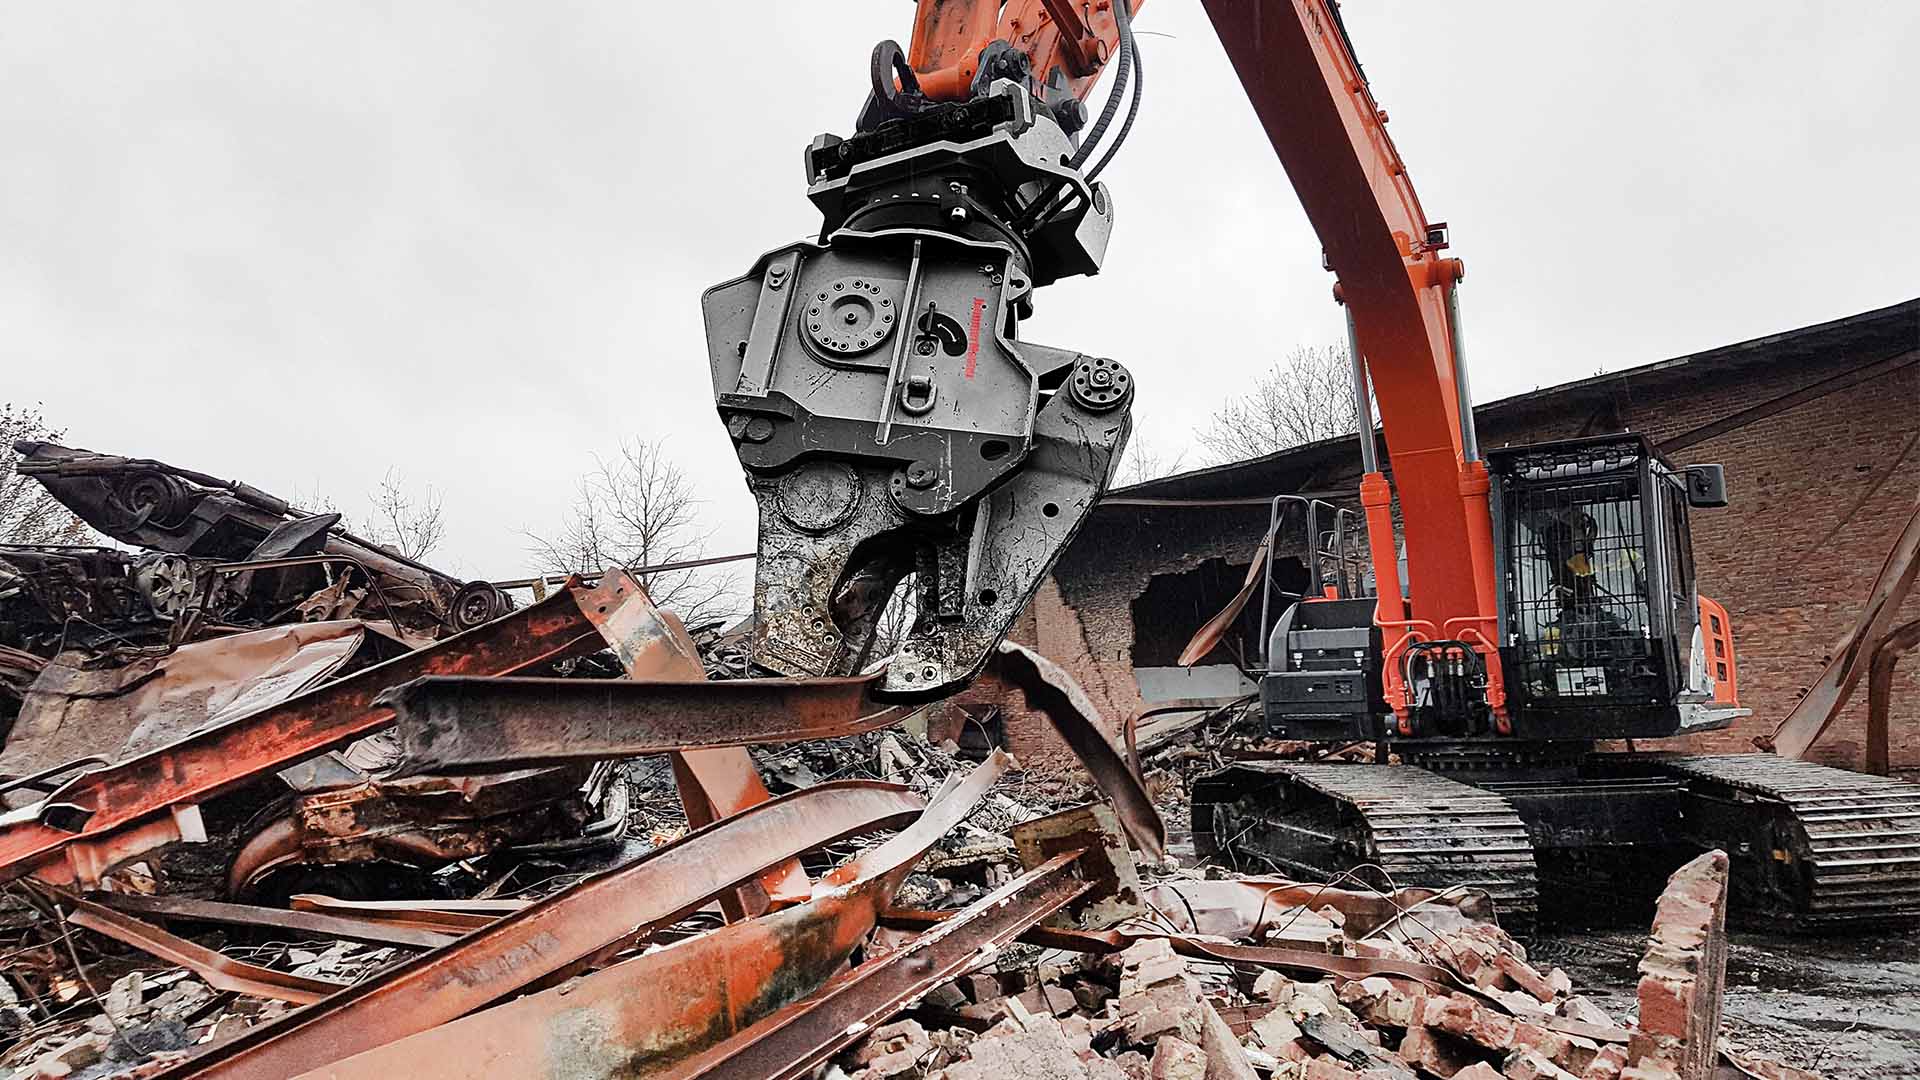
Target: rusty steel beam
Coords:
[(1053, 692), (424, 918), (556, 934), (144, 796), (463, 724), (791, 1043), (307, 922), (652, 645), (218, 971), (657, 1008)]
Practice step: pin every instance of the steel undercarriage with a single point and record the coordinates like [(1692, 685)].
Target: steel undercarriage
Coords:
[(1813, 847)]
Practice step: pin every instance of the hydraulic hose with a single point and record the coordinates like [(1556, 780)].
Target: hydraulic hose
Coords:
[(1112, 108)]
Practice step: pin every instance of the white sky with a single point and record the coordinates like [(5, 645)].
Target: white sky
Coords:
[(299, 243)]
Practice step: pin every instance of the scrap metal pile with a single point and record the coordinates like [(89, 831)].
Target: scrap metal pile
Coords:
[(266, 836)]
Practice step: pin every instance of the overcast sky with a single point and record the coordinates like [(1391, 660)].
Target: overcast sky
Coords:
[(302, 243)]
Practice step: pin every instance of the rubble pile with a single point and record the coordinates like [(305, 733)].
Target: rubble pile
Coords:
[(570, 840), (1148, 1012), (1326, 983)]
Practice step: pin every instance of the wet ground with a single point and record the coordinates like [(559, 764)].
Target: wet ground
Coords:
[(1848, 1008)]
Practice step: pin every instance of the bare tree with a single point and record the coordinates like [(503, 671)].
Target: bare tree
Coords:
[(1304, 398), (638, 509), (1144, 460), (411, 526), (29, 514), (397, 518)]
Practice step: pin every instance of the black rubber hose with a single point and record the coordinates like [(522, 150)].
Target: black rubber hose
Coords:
[(1139, 72), (1092, 141)]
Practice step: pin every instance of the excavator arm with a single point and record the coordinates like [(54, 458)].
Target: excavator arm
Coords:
[(1299, 71)]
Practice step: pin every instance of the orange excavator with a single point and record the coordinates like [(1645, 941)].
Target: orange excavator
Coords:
[(893, 424)]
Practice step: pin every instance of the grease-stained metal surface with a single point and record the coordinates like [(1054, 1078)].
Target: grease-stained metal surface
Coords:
[(889, 416), (555, 935)]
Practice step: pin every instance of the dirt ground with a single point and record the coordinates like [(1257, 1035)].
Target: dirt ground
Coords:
[(1848, 1008)]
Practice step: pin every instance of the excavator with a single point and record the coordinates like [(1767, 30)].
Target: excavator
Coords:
[(1520, 607)]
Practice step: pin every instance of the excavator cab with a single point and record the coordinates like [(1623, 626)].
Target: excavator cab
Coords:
[(1599, 614), (1600, 623)]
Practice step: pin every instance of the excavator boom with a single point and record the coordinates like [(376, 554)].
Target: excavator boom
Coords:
[(1299, 71)]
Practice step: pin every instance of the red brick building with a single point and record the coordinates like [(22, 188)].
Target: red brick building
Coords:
[(1817, 428)]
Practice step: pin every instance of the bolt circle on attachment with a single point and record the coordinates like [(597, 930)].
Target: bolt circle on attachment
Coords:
[(849, 315), (1098, 384)]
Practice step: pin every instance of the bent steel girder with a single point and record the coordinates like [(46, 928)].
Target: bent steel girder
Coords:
[(454, 724), (218, 970), (792, 1042), (1054, 692), (557, 934), (653, 645), (646, 1013)]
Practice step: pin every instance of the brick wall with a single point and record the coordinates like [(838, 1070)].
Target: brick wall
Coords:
[(1819, 492)]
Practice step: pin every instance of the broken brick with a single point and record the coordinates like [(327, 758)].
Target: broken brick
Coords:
[(1606, 1065), (1143, 951), (1533, 1065), (1272, 986), (1225, 1058), (981, 987), (1040, 1052), (1275, 1030), (888, 1066), (1585, 1011), (1382, 949), (1329, 1068), (1383, 1002), (1172, 995), (1436, 1052), (890, 1039), (1153, 973), (1462, 1016), (1047, 999), (1145, 1028), (1177, 1059), (1525, 977)]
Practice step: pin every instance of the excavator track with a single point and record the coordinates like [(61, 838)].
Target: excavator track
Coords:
[(1387, 824), (1814, 847)]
